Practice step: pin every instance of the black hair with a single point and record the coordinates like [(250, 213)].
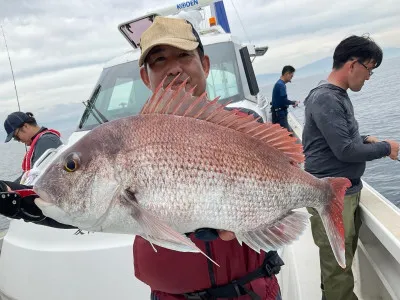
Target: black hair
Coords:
[(201, 52), (200, 47), (31, 120), (288, 69), (362, 48)]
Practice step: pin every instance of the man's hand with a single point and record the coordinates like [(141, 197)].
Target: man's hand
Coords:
[(371, 139), (394, 146), (209, 234), (226, 235), (296, 103)]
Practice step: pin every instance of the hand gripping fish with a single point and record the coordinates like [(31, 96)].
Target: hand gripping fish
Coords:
[(185, 163)]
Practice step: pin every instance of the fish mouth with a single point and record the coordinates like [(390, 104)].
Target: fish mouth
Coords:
[(44, 196), (52, 211), (42, 203)]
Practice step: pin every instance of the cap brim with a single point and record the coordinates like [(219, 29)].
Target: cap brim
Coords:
[(9, 137), (174, 42)]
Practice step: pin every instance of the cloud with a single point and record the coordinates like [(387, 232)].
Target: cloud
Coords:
[(58, 47)]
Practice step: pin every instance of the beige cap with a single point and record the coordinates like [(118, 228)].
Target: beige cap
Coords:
[(178, 33)]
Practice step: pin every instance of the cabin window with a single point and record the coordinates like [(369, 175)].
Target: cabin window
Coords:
[(222, 81), (121, 94), (224, 78)]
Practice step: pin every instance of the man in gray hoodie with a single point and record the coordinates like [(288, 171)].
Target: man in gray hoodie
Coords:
[(333, 147)]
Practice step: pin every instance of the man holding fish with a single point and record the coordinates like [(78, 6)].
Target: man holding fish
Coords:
[(183, 165)]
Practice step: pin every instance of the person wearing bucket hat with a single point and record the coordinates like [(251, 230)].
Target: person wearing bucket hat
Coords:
[(172, 48)]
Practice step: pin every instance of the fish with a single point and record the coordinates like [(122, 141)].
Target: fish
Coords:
[(186, 162)]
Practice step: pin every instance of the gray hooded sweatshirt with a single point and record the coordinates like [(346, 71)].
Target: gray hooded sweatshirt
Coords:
[(333, 146)]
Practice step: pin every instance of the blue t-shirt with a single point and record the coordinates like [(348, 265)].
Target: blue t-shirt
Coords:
[(279, 96)]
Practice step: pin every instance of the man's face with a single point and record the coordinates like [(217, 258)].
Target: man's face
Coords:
[(167, 62), (23, 135), (288, 76), (358, 73)]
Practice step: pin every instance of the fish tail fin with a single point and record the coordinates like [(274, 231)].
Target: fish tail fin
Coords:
[(332, 217)]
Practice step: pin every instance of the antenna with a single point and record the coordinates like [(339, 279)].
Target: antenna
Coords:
[(12, 71)]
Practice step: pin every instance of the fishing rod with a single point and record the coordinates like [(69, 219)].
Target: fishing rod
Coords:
[(12, 71)]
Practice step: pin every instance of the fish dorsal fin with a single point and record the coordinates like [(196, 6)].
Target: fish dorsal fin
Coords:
[(180, 102)]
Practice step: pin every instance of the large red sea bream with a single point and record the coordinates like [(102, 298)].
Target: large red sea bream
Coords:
[(186, 163)]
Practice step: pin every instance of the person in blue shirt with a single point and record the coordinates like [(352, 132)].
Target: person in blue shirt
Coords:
[(280, 101)]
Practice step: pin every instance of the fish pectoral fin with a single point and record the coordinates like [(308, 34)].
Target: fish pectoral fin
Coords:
[(159, 233), (275, 236)]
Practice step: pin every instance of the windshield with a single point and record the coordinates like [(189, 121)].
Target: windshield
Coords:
[(122, 93)]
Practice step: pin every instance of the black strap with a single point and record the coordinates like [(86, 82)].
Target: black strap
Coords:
[(271, 266), (276, 109)]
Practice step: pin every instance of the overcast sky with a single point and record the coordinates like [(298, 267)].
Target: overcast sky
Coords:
[(58, 47)]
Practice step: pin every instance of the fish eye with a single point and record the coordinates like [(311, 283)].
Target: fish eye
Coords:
[(72, 162)]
